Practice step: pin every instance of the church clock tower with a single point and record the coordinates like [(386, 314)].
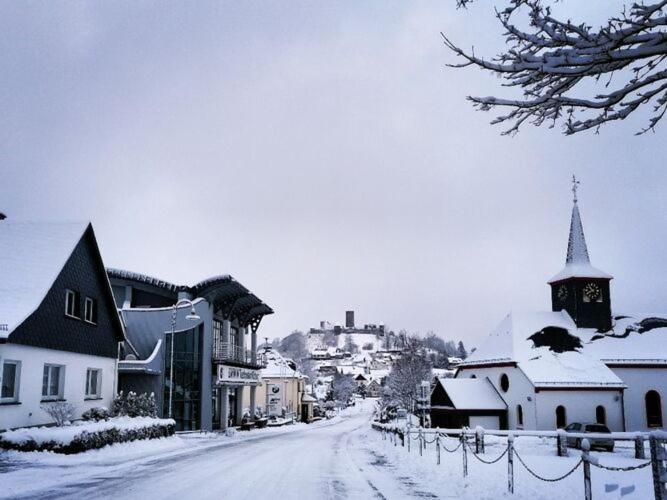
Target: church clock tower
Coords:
[(581, 289)]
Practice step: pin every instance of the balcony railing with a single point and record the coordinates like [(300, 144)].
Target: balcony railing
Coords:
[(225, 351)]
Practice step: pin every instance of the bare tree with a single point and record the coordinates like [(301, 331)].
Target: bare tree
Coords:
[(407, 373), (554, 60)]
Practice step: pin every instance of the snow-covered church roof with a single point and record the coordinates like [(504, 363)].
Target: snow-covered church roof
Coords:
[(638, 339), (32, 255), (548, 347)]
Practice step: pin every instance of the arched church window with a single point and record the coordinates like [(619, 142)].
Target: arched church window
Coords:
[(653, 409), (504, 382), (561, 418), (519, 415), (601, 415), (473, 376)]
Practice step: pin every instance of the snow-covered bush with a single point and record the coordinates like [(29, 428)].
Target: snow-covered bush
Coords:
[(61, 412), (86, 436), (132, 405), (96, 414)]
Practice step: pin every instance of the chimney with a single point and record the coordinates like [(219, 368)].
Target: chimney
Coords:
[(322, 325), (349, 319)]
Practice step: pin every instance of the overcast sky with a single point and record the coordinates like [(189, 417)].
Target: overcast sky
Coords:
[(319, 152)]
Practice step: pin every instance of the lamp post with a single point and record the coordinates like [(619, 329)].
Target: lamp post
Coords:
[(190, 317)]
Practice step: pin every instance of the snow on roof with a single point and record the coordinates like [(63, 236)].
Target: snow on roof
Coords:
[(277, 366), (635, 339), (580, 270), (472, 394), (527, 338), (31, 257)]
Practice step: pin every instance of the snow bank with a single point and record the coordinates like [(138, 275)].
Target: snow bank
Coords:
[(82, 436)]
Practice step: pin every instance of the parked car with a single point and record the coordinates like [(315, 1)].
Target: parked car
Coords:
[(604, 443)]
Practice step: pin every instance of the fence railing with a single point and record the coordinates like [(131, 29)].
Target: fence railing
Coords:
[(657, 442), (225, 351)]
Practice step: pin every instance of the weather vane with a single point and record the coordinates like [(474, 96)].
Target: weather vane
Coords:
[(575, 184)]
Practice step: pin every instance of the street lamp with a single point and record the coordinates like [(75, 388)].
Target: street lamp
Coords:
[(193, 316)]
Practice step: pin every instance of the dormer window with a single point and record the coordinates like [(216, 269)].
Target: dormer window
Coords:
[(72, 308), (90, 311)]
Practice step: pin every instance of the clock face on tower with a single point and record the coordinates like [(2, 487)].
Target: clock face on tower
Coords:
[(592, 293), (562, 293)]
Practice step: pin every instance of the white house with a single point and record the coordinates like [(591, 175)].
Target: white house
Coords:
[(575, 363), (59, 330)]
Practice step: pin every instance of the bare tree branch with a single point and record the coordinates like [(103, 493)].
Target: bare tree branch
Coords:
[(554, 60)]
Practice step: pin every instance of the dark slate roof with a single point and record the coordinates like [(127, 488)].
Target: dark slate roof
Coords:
[(222, 289)]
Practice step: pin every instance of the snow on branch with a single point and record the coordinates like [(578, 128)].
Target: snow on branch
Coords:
[(553, 61)]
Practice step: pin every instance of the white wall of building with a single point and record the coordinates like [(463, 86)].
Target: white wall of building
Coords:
[(28, 412), (484, 421), (520, 389), (579, 407), (639, 382)]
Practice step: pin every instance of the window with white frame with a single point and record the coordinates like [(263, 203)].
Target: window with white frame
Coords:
[(93, 383), (11, 373), (72, 304), (90, 310), (53, 382)]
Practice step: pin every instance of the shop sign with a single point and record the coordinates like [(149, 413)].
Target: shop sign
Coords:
[(233, 374), (274, 399)]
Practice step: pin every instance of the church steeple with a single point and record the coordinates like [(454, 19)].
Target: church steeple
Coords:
[(580, 288), (577, 251)]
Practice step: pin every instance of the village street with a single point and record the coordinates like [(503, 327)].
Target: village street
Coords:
[(328, 459)]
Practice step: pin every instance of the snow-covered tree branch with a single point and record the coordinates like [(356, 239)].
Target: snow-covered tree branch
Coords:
[(553, 61)]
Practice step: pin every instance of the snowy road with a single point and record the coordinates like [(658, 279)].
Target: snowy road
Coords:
[(326, 460)]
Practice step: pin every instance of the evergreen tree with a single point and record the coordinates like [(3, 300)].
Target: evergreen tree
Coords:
[(463, 354)]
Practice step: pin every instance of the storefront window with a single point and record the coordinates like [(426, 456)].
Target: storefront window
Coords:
[(187, 379)]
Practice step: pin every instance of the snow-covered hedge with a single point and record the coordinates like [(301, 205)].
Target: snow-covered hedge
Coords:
[(83, 436)]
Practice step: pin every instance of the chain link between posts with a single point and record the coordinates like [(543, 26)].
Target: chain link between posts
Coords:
[(547, 479), (621, 469), (447, 449), (487, 461)]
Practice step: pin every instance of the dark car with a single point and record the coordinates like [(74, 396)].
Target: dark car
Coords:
[(597, 442)]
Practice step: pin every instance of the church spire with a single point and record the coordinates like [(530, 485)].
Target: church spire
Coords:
[(577, 251)]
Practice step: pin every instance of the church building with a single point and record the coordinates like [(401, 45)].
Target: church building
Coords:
[(579, 362)]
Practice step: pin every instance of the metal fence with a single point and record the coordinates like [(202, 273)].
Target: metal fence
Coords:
[(226, 351), (439, 437)]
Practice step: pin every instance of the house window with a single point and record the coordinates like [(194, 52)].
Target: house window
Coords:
[(504, 382), (561, 418), (90, 310), (93, 383), (601, 415), (52, 382), (11, 371), (653, 409), (72, 304), (519, 415)]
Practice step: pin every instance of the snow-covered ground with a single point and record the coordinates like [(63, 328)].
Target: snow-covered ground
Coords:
[(340, 458)]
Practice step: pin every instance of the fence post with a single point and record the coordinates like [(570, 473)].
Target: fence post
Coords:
[(396, 437), (510, 463), (408, 432), (479, 440), (658, 466), (639, 446), (402, 434), (465, 454), (437, 446), (585, 457), (561, 443), (420, 442)]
